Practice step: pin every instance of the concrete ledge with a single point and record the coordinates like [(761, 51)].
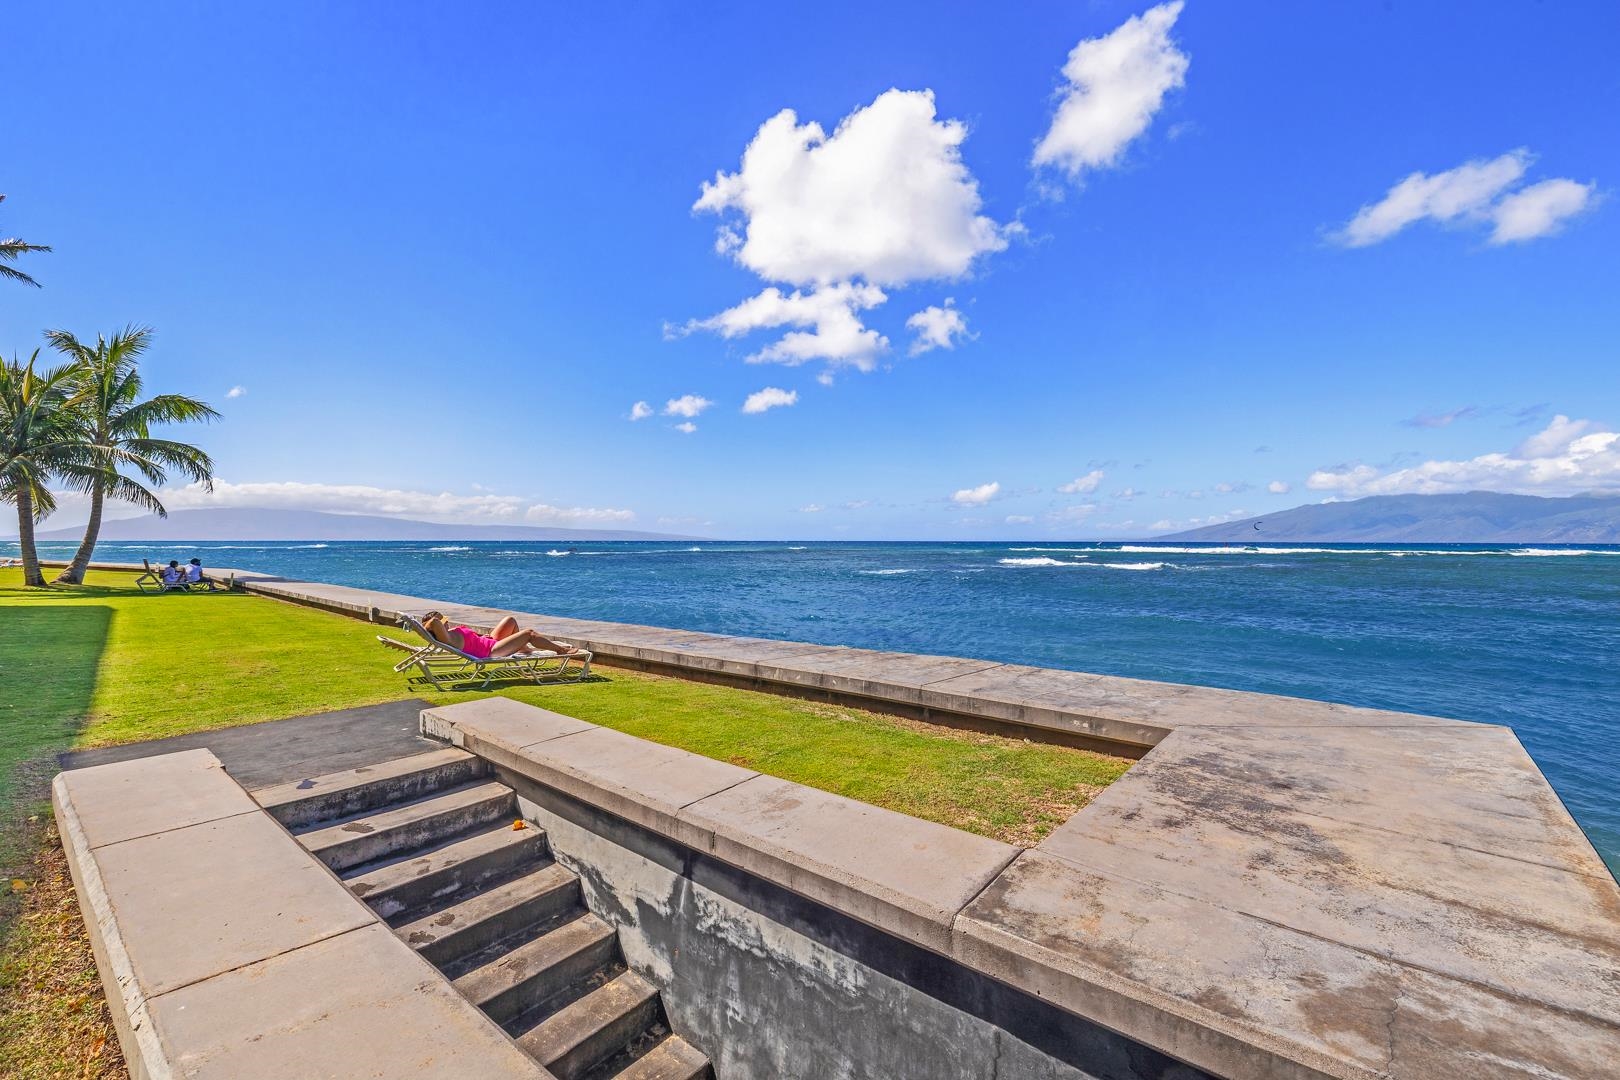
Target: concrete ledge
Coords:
[(902, 875), (1129, 715), (227, 951), (898, 873)]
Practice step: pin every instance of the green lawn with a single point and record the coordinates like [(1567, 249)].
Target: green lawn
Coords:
[(104, 663)]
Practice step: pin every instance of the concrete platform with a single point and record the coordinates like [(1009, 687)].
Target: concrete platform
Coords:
[(227, 952)]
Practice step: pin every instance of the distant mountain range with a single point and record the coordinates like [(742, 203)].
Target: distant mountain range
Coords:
[(249, 523), (1478, 517)]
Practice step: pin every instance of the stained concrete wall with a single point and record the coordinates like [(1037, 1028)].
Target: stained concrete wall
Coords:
[(769, 984)]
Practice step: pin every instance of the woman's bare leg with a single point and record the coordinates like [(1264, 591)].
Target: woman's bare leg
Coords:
[(505, 628), (526, 639)]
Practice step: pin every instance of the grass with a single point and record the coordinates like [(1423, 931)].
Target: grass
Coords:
[(103, 663)]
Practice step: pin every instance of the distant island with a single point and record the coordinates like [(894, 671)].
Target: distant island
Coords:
[(1478, 517), (249, 523)]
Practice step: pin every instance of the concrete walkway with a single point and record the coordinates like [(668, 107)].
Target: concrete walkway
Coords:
[(258, 755)]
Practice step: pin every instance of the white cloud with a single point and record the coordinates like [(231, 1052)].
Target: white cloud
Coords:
[(1019, 519), (1566, 458), (1128, 493), (1440, 420), (937, 328), (1539, 210), (236, 392), (1466, 191), (886, 198), (811, 508), (388, 502), (1083, 485), (832, 329), (1113, 87), (640, 411), (769, 398), (1278, 487), (1477, 191), (686, 427), (687, 405), (977, 496)]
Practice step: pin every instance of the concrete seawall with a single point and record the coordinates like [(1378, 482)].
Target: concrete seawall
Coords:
[(1280, 888)]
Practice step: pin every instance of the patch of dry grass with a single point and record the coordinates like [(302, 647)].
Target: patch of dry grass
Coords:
[(54, 1023)]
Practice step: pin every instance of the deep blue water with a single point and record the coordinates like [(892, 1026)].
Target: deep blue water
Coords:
[(1528, 637)]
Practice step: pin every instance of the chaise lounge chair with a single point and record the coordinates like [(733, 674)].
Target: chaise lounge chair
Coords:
[(152, 581), (441, 666)]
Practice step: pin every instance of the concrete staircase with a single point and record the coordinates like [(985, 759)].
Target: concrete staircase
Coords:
[(428, 841)]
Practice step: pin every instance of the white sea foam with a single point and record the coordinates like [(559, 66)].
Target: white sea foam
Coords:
[(1087, 550), (888, 573), (554, 553), (1129, 565), (801, 547), (450, 547), (1539, 552), (220, 547), (1040, 561), (298, 547), (1158, 549)]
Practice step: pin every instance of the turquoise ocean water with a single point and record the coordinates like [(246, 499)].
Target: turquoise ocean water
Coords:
[(1516, 635)]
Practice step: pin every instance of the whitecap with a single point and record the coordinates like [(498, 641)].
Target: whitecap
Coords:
[(1057, 549), (450, 547), (1040, 561), (301, 547), (887, 573), (1131, 565)]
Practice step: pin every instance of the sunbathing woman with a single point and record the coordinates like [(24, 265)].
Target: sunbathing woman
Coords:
[(506, 639)]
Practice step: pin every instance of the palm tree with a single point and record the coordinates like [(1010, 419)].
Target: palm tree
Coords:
[(40, 436), (117, 425), (9, 250)]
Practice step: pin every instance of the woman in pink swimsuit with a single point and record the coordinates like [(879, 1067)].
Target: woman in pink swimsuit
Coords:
[(504, 640)]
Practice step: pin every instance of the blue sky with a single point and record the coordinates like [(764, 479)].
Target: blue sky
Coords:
[(445, 251)]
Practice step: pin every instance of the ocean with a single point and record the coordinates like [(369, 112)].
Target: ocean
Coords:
[(1527, 636)]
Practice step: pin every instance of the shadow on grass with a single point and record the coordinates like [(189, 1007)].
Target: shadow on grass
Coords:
[(49, 655), (478, 686)]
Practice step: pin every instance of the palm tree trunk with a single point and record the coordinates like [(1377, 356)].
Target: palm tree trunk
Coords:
[(25, 538), (74, 573)]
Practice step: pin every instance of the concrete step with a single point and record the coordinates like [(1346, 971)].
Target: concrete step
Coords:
[(516, 981), (454, 866), (449, 931), (409, 826), (303, 803), (671, 1059), (598, 1026), (655, 1054)]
